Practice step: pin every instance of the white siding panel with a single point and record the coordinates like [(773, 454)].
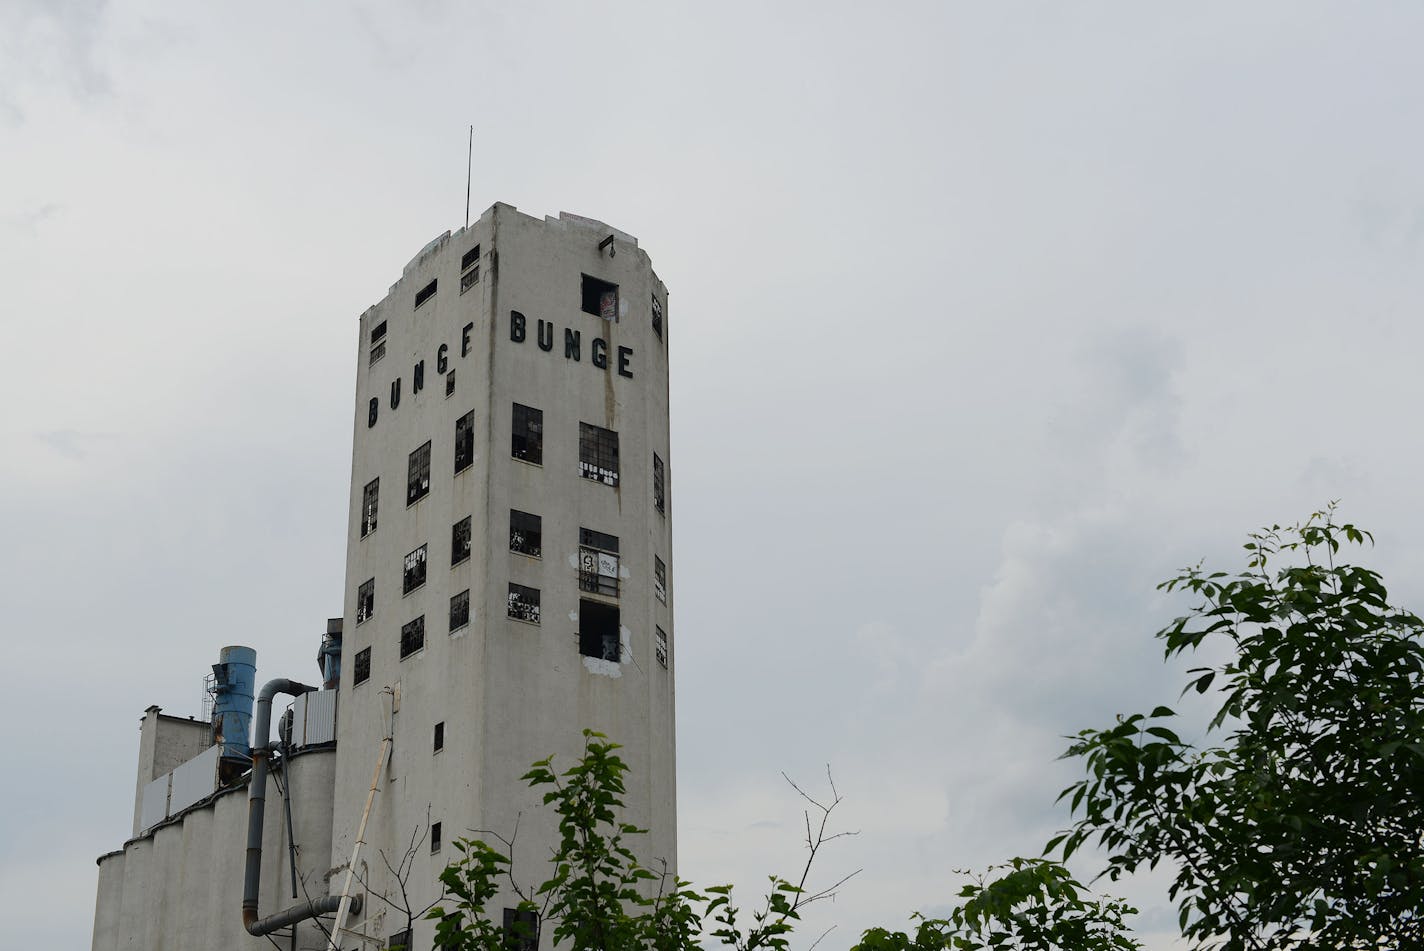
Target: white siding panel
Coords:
[(195, 780), (155, 802)]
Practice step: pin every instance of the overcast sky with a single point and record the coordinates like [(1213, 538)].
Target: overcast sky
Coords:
[(983, 319)]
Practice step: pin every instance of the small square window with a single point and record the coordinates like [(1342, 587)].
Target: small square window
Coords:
[(598, 562), (361, 667), (460, 610), (460, 541), (659, 485), (523, 603), (365, 600), (425, 293), (439, 743), (526, 533), (412, 637), (435, 837), (600, 298), (660, 579), (417, 478), (369, 497), (527, 442), (657, 316), (464, 442), (414, 570), (598, 630), (662, 648), (598, 454), (521, 930)]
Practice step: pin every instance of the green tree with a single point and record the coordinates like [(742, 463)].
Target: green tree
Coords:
[(1303, 825)]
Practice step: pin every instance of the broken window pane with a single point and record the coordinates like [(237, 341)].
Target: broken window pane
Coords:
[(523, 603), (417, 479), (464, 442), (460, 541), (598, 562), (414, 570), (657, 316), (361, 668), (459, 610), (600, 298), (412, 637), (661, 648), (526, 533), (659, 485), (368, 506), (528, 439), (365, 599), (435, 836), (598, 630), (425, 293), (521, 930), (400, 941), (598, 454), (660, 579), (450, 384)]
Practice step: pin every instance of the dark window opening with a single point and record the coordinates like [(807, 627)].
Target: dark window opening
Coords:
[(657, 316), (439, 736), (598, 630), (598, 454), (470, 269), (526, 533), (460, 541), (425, 293), (378, 351), (527, 442), (660, 579), (435, 836), (369, 497), (600, 298), (417, 475), (523, 603), (412, 637), (464, 442), (598, 562), (378, 341), (459, 610), (450, 384), (662, 647), (361, 669), (521, 930), (400, 941), (365, 600), (659, 485), (414, 575), (471, 258)]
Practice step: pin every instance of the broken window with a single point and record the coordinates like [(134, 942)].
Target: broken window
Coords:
[(450, 384), (661, 647), (459, 610), (378, 342), (521, 930), (464, 442), (414, 570), (600, 298), (400, 941), (412, 637), (657, 316), (470, 269), (523, 603), (365, 599), (598, 562), (527, 442), (361, 668), (460, 541), (526, 533), (425, 293), (598, 630), (435, 831), (417, 477), (369, 497), (660, 579), (439, 736), (659, 485), (598, 454)]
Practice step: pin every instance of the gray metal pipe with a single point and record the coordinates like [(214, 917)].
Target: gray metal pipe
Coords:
[(256, 805)]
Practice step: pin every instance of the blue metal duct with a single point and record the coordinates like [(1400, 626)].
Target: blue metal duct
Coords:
[(234, 679)]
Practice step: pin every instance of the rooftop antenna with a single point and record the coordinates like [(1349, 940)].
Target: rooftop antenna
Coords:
[(469, 164)]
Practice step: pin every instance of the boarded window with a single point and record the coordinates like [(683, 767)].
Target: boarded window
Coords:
[(526, 533), (460, 610), (425, 293), (369, 497), (527, 441), (660, 579), (361, 667), (464, 441), (598, 454), (417, 478), (460, 541), (598, 562), (600, 298), (414, 573), (661, 647), (598, 630), (521, 930), (412, 637), (659, 484), (523, 603), (365, 599)]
